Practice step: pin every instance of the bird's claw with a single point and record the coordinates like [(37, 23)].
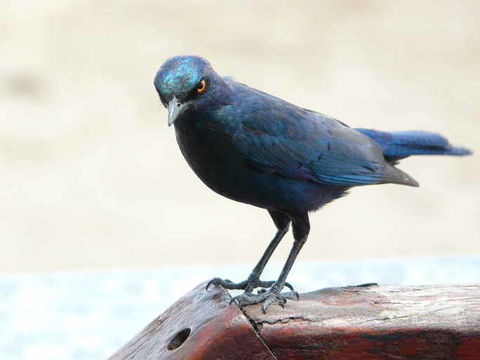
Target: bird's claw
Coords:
[(247, 285), (366, 284), (227, 284), (266, 297)]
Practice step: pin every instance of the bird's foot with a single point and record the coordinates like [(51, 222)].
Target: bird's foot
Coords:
[(247, 285), (265, 296)]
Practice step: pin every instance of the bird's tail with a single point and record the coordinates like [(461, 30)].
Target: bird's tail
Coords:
[(401, 144)]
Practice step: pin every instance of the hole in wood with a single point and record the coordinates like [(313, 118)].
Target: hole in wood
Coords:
[(179, 339)]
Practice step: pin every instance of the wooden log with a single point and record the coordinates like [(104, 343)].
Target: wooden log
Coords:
[(349, 323), (202, 325)]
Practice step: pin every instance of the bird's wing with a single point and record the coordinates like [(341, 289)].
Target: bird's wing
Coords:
[(300, 144)]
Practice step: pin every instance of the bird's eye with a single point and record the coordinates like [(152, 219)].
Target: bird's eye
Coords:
[(202, 85)]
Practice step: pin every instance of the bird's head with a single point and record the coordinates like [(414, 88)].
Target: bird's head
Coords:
[(183, 81)]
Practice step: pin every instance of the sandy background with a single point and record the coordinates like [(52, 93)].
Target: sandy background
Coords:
[(91, 176)]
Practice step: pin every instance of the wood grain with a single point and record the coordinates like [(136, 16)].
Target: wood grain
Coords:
[(349, 323)]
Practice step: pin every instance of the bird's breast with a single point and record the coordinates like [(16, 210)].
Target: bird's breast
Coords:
[(215, 158), (212, 157)]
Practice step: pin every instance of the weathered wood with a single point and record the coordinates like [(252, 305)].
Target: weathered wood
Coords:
[(199, 326), (350, 323), (379, 322)]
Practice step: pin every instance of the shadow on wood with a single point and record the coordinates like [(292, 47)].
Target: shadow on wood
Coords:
[(350, 323)]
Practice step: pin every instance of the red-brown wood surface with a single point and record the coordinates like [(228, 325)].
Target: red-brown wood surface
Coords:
[(351, 323), (376, 323), (216, 331)]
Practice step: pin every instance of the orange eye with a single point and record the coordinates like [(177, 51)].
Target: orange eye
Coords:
[(202, 85)]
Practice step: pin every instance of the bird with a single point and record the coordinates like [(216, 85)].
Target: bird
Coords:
[(258, 149)]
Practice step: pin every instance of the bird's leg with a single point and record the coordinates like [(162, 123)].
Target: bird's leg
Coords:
[(301, 228), (282, 222)]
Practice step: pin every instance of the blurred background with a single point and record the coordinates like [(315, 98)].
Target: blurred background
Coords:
[(92, 177)]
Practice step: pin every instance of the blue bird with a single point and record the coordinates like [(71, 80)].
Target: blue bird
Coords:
[(255, 148)]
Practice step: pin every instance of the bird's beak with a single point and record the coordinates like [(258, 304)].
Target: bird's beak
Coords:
[(174, 109)]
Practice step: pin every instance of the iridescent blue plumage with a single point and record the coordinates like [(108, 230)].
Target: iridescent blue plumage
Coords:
[(180, 74), (400, 144), (258, 149)]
